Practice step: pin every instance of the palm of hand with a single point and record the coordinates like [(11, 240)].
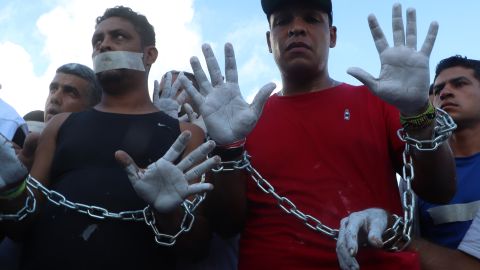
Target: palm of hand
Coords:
[(162, 185), (226, 105), (404, 70)]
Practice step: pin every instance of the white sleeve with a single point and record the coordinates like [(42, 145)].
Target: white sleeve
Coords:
[(471, 241)]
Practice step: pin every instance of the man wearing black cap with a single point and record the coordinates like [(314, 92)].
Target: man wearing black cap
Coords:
[(321, 150)]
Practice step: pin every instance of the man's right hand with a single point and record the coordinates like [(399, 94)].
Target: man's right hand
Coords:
[(12, 171), (227, 116)]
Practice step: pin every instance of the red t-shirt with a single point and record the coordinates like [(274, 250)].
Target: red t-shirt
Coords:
[(331, 152)]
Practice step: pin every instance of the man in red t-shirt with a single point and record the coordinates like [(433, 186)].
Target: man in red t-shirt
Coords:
[(321, 150)]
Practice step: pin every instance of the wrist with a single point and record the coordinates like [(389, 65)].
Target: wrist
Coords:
[(229, 151), (14, 192), (421, 120)]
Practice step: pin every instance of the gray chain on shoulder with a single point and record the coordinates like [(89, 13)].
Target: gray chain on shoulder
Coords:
[(444, 126), (28, 208), (147, 214)]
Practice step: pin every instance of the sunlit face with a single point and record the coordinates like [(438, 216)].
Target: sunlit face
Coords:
[(115, 34), (457, 91), (68, 93), (300, 38)]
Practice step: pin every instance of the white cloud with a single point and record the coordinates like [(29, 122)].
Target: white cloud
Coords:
[(67, 31), (20, 87)]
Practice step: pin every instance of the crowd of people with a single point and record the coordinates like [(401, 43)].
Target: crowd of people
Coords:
[(194, 177)]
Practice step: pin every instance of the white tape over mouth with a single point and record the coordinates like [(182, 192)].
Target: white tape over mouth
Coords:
[(118, 60)]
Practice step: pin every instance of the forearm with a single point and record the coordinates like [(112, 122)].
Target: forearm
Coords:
[(434, 171), (226, 204), (191, 243), (436, 257)]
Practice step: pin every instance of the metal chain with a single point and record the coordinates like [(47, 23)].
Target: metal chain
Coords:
[(93, 211), (146, 214), (28, 208), (283, 202), (399, 235), (189, 208), (442, 131)]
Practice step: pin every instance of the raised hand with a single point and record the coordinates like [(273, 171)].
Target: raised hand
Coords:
[(404, 76), (166, 100), (371, 222), (165, 185), (227, 116), (12, 171)]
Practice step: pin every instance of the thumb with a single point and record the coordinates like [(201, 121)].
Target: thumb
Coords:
[(27, 154), (156, 91), (133, 171), (261, 97), (364, 77)]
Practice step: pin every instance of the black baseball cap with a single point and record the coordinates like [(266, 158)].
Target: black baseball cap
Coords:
[(270, 6)]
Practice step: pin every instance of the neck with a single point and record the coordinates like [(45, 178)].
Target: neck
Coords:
[(465, 142), (128, 98), (306, 85)]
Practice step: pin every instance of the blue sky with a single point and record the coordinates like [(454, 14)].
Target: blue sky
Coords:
[(38, 36)]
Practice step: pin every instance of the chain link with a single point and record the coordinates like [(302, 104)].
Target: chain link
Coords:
[(286, 204), (444, 126), (399, 235), (28, 208), (93, 211), (146, 214)]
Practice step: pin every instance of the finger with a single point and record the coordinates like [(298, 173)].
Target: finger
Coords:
[(175, 87), (377, 34), (261, 97), (397, 26), (30, 144), (27, 153), (200, 76), (167, 86), (182, 97), (200, 153), (345, 260), (355, 222), (197, 98), (198, 188), (231, 74), (364, 77), (197, 171), (212, 64), (411, 37), (156, 91), (184, 118), (430, 39), (177, 147), (376, 229), (133, 171)]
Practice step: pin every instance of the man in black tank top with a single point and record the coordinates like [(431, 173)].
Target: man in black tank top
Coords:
[(99, 223)]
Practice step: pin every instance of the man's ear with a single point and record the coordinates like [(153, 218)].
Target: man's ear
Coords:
[(333, 36), (268, 41), (150, 54)]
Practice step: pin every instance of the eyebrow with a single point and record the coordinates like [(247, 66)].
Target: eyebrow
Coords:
[(455, 80)]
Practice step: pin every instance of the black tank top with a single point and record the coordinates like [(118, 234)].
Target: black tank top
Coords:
[(84, 170)]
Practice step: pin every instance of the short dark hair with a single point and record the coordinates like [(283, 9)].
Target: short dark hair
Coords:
[(458, 61), (187, 74), (139, 21), (86, 73)]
